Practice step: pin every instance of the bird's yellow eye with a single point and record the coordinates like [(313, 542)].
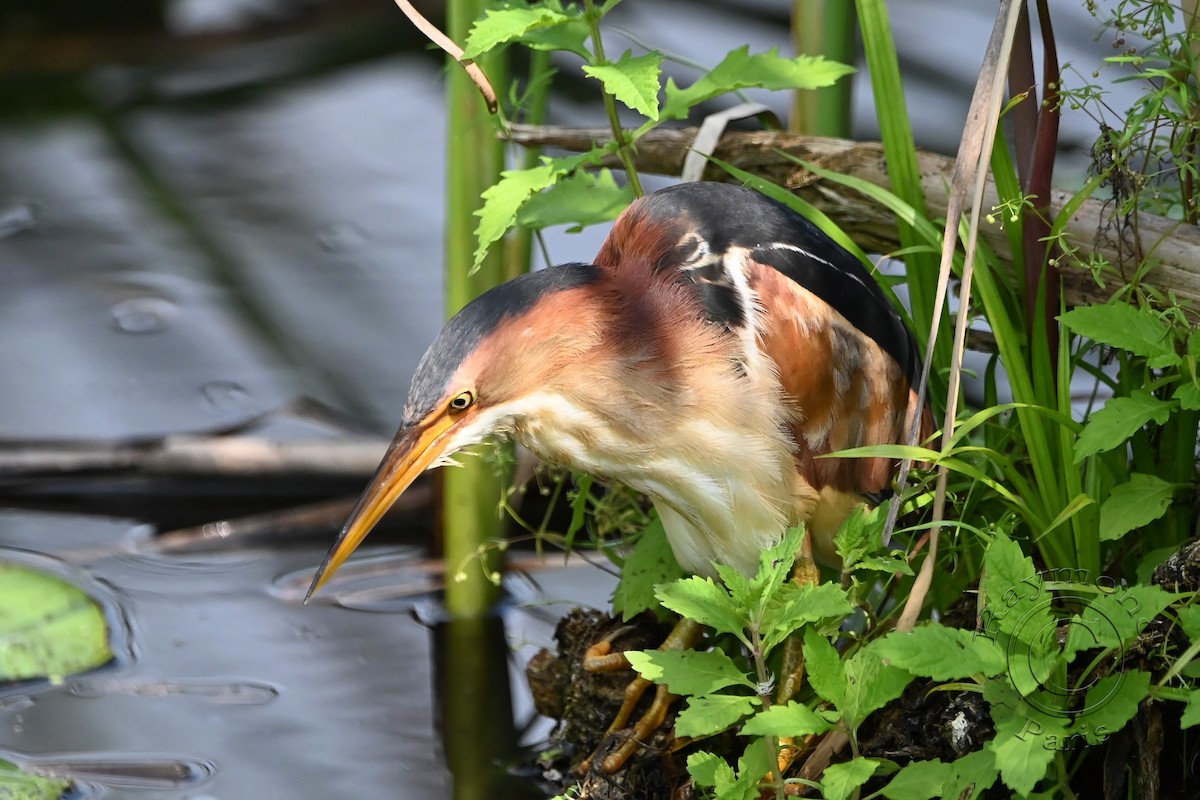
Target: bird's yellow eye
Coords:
[(462, 401)]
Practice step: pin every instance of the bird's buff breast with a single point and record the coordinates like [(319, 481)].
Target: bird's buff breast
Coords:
[(723, 494)]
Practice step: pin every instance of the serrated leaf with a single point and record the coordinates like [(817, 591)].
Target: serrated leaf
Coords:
[(1191, 712), (971, 775), (501, 25), (752, 766), (855, 537), (942, 653), (705, 716), (1111, 621), (793, 719), (503, 201), (870, 685), (796, 605), (824, 668), (1120, 418), (1140, 501), (568, 36), (1135, 329), (840, 780), (1110, 703), (740, 70), (859, 544), (688, 672), (1189, 620), (1026, 738), (1188, 395), (702, 600), (632, 80), (919, 780), (710, 770), (650, 563), (579, 200), (1017, 597)]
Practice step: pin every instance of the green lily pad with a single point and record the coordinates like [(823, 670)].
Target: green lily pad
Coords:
[(48, 628), (18, 785)]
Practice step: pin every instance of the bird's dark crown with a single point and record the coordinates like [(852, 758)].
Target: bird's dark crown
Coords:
[(462, 334)]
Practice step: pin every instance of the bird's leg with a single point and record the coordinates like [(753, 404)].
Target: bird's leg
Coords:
[(600, 658), (804, 572)]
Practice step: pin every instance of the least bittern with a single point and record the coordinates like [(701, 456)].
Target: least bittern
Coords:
[(718, 346)]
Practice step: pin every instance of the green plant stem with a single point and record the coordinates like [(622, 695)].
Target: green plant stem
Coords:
[(518, 257), (624, 152), (901, 152), (772, 745), (470, 514), (823, 27)]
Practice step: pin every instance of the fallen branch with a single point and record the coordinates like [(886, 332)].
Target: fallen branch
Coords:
[(1173, 246), (220, 456)]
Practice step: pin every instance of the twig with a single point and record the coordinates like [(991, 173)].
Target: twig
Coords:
[(1176, 245), (435, 35), (194, 455), (974, 153)]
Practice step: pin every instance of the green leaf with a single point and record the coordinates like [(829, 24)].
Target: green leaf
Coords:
[(870, 684), (1110, 703), (632, 80), (754, 763), (579, 200), (740, 70), (502, 201), (705, 716), (859, 543), (1111, 621), (650, 563), (18, 785), (972, 775), (796, 605), (1188, 395), (502, 25), (793, 719), (1189, 620), (1135, 329), (1120, 418), (1026, 738), (688, 672), (774, 569), (703, 601), (825, 671), (710, 770), (48, 628), (942, 653), (570, 37), (840, 780), (1191, 712), (1018, 614), (1017, 598), (1140, 501), (919, 780)]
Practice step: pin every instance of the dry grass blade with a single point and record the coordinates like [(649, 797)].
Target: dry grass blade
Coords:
[(435, 35), (974, 153)]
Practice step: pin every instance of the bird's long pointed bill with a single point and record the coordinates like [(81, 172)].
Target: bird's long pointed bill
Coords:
[(411, 452)]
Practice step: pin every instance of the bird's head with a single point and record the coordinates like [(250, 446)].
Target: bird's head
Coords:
[(491, 361)]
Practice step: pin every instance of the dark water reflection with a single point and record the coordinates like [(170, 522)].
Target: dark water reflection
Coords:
[(227, 687)]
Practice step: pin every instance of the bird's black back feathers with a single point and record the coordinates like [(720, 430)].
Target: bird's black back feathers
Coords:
[(727, 216)]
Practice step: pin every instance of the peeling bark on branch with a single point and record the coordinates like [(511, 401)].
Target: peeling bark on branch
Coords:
[(1173, 247)]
